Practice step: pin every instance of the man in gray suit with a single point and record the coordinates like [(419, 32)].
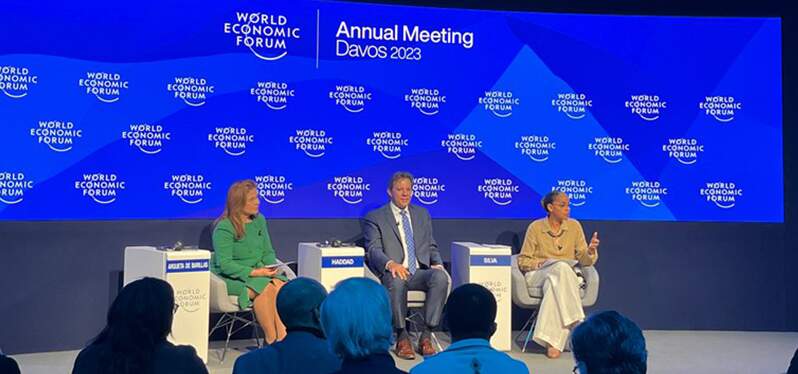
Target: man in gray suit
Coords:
[(404, 255)]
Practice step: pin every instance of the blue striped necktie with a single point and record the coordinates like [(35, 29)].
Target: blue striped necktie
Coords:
[(411, 245)]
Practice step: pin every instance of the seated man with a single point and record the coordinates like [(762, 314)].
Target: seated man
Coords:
[(304, 349), (404, 255), (470, 313), (608, 342)]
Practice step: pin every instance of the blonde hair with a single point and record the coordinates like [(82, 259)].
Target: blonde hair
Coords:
[(234, 206)]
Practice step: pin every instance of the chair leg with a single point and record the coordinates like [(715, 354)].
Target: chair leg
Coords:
[(255, 330), (437, 342), (530, 323), (227, 341)]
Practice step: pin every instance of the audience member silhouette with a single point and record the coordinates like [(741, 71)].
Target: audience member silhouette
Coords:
[(470, 313), (609, 343), (356, 317), (304, 349), (134, 338), (8, 365)]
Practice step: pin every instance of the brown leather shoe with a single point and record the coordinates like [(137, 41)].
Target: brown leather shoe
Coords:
[(425, 347), (404, 349)]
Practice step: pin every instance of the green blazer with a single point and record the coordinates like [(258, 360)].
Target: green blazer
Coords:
[(233, 259)]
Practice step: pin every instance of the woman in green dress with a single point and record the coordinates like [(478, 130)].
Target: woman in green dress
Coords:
[(242, 253)]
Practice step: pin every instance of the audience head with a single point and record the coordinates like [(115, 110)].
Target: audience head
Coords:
[(242, 201), (470, 312), (356, 317), (299, 303), (139, 319), (609, 343)]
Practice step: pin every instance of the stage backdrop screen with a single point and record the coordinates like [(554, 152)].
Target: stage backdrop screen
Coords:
[(150, 110)]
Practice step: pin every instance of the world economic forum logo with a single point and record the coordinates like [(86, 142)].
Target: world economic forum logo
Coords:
[(191, 90), (192, 299), (721, 108), (350, 97), (103, 188), (537, 147), (610, 149), (15, 82), (232, 140), (723, 194), (265, 35), (149, 139), (500, 103), (350, 189), (189, 188), (427, 190), (274, 94), (273, 188), (58, 135), (498, 190), (573, 105), (463, 146), (427, 101), (648, 193), (388, 144), (13, 186), (578, 190), (647, 107), (683, 150), (106, 87), (312, 142)]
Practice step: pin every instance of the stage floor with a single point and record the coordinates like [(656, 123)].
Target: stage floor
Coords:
[(680, 352)]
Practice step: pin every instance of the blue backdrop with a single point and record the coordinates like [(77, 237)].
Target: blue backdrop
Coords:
[(125, 112)]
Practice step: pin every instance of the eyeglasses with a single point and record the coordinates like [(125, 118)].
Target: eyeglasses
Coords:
[(175, 307)]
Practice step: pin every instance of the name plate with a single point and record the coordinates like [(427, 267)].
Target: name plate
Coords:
[(342, 262), (184, 266), (482, 260)]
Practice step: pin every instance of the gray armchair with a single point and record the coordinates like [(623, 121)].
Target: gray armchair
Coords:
[(530, 298), (221, 302)]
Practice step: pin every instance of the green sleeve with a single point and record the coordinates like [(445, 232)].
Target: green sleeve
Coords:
[(269, 256), (223, 238)]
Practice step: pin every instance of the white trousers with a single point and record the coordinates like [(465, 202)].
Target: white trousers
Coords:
[(561, 306)]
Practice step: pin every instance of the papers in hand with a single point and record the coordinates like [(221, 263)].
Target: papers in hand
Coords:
[(274, 266), (553, 261)]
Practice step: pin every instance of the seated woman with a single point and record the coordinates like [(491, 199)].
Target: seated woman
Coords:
[(356, 317), (549, 245), (609, 343), (134, 339), (242, 253)]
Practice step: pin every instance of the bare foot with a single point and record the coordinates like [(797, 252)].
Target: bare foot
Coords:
[(552, 352)]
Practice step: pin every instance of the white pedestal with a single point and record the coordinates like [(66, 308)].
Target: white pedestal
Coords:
[(487, 265), (330, 265), (188, 273)]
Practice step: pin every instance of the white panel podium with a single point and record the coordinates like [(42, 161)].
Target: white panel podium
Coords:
[(487, 265), (188, 273), (330, 265)]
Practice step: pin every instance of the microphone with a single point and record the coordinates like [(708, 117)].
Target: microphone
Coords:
[(260, 232)]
